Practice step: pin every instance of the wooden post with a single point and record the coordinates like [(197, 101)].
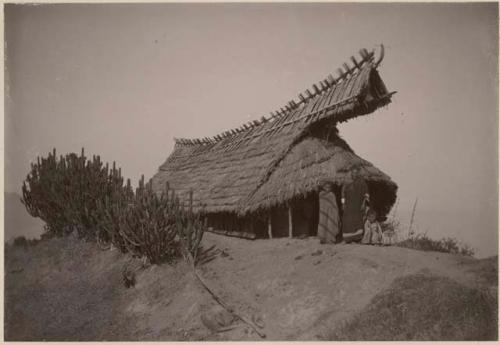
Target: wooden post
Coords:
[(269, 226), (290, 232)]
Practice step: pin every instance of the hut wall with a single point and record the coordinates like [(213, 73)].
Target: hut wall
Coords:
[(279, 221), (305, 213), (228, 223)]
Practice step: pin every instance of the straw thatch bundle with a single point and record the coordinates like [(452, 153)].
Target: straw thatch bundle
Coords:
[(269, 162)]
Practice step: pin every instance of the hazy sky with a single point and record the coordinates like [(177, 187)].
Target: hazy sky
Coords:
[(122, 80)]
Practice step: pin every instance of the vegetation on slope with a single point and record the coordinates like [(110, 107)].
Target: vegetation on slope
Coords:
[(70, 193), (424, 307)]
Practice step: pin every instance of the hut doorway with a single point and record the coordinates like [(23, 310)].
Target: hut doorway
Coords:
[(279, 221), (329, 214), (352, 220), (305, 212)]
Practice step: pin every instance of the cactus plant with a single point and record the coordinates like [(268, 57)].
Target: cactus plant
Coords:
[(65, 192), (72, 193)]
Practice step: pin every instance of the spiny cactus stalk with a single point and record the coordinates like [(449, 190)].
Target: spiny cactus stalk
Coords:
[(190, 228), (149, 226)]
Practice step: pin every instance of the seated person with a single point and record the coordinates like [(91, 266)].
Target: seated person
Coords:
[(373, 232), (388, 237)]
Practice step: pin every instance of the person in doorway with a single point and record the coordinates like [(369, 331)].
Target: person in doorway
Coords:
[(372, 231), (365, 206), (329, 220)]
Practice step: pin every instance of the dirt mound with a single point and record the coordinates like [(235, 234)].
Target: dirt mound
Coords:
[(66, 289), (423, 307)]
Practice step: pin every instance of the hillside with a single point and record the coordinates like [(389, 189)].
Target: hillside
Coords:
[(66, 289), (17, 220)]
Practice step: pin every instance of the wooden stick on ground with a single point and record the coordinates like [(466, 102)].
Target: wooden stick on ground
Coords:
[(220, 301)]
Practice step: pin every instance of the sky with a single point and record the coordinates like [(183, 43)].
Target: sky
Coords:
[(122, 80)]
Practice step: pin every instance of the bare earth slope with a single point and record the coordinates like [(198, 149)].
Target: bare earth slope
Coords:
[(66, 289)]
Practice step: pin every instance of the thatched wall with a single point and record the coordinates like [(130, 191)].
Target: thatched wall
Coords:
[(238, 172)]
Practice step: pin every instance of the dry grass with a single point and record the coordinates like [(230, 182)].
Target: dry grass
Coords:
[(420, 241), (424, 307), (444, 245)]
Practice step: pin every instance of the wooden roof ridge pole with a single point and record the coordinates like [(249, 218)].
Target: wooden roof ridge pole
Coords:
[(319, 88), (381, 56), (316, 89), (356, 64), (347, 68)]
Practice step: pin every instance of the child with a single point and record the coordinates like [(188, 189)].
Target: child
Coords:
[(373, 232), (388, 237)]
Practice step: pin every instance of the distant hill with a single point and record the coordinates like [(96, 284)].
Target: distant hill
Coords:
[(17, 220)]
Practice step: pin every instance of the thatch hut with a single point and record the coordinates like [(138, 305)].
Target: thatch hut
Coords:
[(262, 179)]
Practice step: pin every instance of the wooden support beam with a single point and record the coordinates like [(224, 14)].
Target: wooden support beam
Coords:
[(347, 68), (290, 226), (364, 53), (340, 73), (356, 64), (331, 79), (269, 226)]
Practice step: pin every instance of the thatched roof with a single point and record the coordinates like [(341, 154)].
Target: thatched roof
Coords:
[(239, 170), (319, 157)]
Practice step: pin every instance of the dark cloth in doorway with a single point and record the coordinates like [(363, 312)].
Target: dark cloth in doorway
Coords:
[(353, 217), (328, 225)]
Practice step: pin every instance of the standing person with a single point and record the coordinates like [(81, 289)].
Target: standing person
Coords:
[(365, 206), (329, 220)]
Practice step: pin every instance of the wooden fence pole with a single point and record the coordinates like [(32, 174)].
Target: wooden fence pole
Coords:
[(269, 226)]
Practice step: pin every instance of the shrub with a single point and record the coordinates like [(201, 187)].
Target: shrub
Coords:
[(65, 192), (20, 241), (75, 193), (148, 227), (445, 245), (112, 212), (190, 229)]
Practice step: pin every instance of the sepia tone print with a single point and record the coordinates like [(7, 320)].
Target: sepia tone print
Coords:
[(251, 172)]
